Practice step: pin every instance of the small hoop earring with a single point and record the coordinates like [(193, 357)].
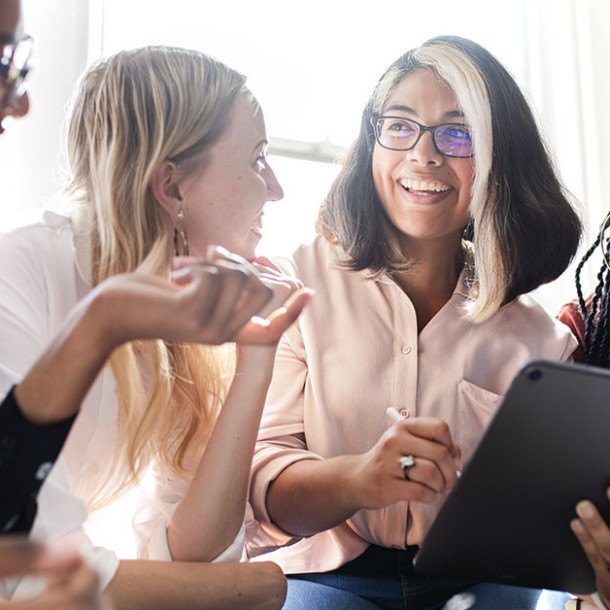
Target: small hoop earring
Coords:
[(180, 238)]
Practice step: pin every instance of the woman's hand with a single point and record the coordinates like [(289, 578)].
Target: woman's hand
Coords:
[(310, 496), (593, 534), (209, 301), (249, 302), (381, 479), (71, 584)]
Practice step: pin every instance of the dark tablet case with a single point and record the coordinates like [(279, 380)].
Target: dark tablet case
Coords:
[(508, 518)]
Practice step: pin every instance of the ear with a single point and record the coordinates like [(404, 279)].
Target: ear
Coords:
[(164, 187)]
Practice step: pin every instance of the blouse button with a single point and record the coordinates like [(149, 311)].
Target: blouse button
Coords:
[(406, 350), (405, 413)]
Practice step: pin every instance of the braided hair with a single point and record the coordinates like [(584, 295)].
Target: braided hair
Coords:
[(595, 310)]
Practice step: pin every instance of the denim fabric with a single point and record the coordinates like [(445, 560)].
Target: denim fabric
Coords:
[(385, 578)]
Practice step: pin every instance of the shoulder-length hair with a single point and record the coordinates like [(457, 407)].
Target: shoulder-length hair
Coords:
[(524, 228), (130, 113)]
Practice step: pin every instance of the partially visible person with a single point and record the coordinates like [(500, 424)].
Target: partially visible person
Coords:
[(14, 62), (32, 426), (588, 317), (168, 177), (594, 536), (446, 212)]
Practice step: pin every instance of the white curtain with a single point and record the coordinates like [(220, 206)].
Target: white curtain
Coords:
[(569, 63)]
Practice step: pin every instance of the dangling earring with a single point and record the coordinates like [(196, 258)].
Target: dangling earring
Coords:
[(468, 231), (180, 236)]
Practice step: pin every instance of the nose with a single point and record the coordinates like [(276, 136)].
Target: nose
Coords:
[(20, 107), (424, 152), (274, 189)]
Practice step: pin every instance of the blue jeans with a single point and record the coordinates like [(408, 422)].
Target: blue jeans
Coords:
[(385, 578)]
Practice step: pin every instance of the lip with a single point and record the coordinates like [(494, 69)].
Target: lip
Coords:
[(257, 226), (424, 190)]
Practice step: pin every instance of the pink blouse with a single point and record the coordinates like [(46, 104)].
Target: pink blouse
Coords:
[(354, 352)]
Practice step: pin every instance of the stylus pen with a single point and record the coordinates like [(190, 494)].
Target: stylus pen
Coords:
[(395, 416)]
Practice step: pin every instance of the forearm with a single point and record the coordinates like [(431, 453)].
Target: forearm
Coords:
[(55, 386), (211, 512), (159, 585), (311, 496)]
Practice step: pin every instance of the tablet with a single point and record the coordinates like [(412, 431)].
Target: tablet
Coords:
[(507, 519)]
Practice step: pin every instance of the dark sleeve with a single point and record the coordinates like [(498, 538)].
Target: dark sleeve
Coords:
[(27, 452)]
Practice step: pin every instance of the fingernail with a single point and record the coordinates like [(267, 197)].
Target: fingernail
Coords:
[(577, 526), (211, 251), (585, 509)]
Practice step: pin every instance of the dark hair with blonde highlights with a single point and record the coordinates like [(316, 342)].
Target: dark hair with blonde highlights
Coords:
[(524, 227)]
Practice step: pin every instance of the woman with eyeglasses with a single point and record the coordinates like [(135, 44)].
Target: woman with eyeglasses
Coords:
[(168, 167), (446, 211)]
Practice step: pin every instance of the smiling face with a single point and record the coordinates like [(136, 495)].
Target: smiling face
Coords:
[(223, 200), (425, 194)]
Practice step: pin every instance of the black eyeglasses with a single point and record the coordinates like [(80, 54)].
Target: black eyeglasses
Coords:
[(15, 64), (398, 133)]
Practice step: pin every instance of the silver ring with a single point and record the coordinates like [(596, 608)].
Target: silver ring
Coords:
[(406, 463)]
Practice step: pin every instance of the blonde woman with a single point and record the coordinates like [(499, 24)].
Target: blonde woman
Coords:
[(447, 211), (167, 152)]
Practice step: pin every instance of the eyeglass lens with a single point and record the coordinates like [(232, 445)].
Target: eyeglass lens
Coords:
[(14, 67), (451, 139)]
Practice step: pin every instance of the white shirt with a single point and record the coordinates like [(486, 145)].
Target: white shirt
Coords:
[(353, 352), (43, 273)]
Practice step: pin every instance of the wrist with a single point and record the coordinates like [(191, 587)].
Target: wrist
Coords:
[(106, 318), (349, 482), (258, 359)]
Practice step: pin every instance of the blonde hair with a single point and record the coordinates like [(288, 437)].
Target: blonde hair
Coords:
[(131, 112), (523, 226)]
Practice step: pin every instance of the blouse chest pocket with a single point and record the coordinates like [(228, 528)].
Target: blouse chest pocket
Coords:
[(475, 409)]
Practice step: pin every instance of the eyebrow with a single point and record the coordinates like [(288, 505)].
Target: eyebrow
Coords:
[(452, 114)]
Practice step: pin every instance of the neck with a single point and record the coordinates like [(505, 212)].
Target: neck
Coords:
[(431, 281)]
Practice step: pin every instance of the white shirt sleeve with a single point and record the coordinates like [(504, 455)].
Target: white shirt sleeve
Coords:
[(155, 509), (65, 516)]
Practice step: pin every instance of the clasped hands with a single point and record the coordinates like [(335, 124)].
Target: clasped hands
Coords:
[(213, 300)]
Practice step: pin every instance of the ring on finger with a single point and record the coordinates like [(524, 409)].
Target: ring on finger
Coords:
[(406, 463)]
